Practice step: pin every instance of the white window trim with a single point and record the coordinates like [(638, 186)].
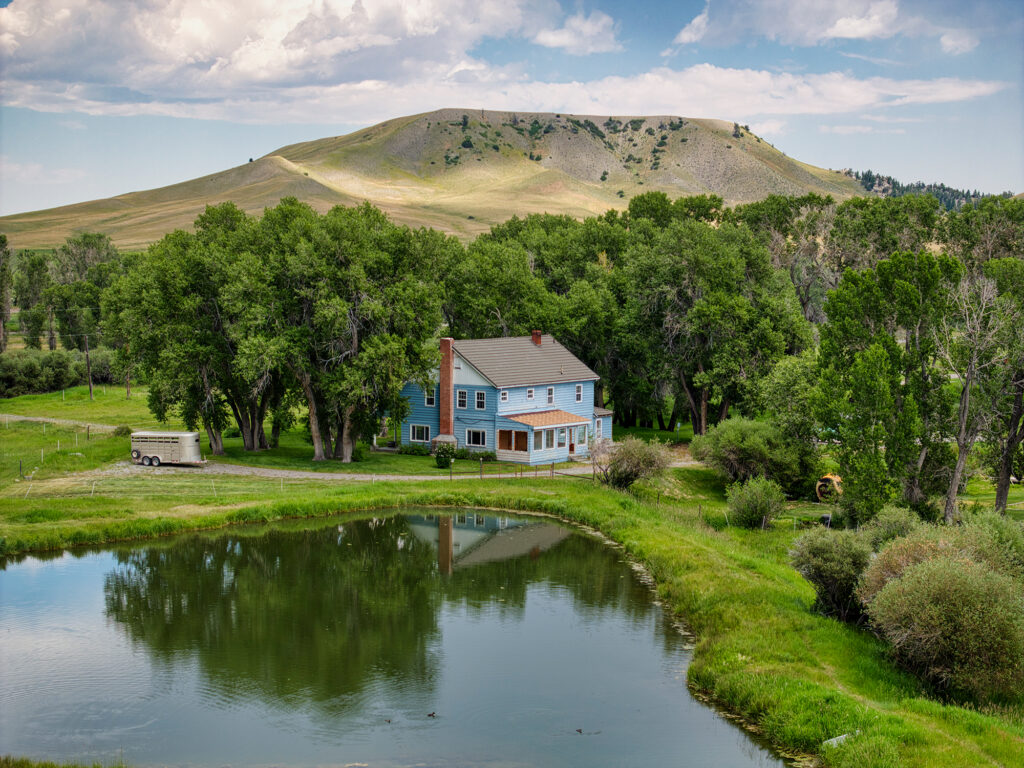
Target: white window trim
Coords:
[(465, 394), (428, 396), (504, 395), (551, 395), (529, 393), (579, 393), (476, 400), (412, 431), (476, 445)]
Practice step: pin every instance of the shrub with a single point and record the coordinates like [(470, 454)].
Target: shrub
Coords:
[(443, 455), (742, 448), (122, 430), (755, 503), (891, 523), (985, 540), (632, 460), (957, 623), (833, 562)]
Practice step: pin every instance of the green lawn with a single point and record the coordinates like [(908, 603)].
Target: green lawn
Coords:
[(109, 406), (684, 434), (981, 490)]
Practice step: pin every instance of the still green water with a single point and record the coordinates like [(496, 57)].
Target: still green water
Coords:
[(407, 640)]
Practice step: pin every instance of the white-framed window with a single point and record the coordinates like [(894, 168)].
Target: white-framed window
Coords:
[(538, 440), (579, 393), (504, 395), (529, 393), (460, 398), (476, 437), (549, 438), (428, 397), (551, 395), (481, 400), (561, 437), (419, 433), (597, 429)]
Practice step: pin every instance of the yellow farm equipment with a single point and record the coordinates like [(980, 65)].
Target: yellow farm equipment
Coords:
[(829, 488)]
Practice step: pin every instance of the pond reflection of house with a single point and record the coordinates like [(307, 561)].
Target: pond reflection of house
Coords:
[(467, 539)]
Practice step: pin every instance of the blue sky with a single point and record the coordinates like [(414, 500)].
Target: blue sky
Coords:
[(100, 97)]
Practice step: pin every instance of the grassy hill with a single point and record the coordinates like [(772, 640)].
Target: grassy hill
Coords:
[(462, 171)]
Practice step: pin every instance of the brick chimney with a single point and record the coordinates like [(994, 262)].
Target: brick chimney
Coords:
[(536, 337), (447, 426)]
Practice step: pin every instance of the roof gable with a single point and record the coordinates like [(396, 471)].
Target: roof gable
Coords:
[(515, 361)]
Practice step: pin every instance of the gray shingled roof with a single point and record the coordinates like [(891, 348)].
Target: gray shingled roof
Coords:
[(515, 361)]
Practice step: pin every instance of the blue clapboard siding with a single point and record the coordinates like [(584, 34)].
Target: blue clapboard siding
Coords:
[(420, 413), (490, 419), (470, 418)]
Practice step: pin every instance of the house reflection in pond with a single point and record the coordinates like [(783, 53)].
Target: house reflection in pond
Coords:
[(467, 539)]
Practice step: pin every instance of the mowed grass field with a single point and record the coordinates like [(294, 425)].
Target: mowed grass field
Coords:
[(762, 652)]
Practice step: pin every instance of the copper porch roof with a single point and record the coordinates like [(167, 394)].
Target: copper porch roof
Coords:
[(553, 418)]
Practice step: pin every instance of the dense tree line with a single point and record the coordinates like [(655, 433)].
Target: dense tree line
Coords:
[(886, 328)]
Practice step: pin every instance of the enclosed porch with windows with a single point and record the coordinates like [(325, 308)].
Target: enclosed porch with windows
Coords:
[(541, 437)]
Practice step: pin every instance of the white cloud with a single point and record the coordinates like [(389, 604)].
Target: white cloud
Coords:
[(695, 30), (582, 35), (848, 130), (877, 20), (882, 62), (360, 62), (769, 128), (35, 173), (814, 22), (958, 41)]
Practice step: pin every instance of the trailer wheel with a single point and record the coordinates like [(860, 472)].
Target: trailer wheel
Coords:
[(136, 453), (156, 461), (146, 461)]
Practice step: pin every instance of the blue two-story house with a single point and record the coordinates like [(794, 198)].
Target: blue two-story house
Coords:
[(526, 398)]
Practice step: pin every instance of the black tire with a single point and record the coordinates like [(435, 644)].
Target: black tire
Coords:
[(156, 461), (136, 453), (146, 461)]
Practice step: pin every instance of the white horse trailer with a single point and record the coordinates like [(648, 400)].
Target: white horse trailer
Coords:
[(156, 448)]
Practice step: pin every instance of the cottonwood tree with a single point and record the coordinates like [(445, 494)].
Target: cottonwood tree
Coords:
[(1004, 434), (31, 281), (712, 313), (895, 307), (345, 303), (6, 289), (971, 342), (170, 309)]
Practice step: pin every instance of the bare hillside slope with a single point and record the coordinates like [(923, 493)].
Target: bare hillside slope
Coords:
[(462, 171)]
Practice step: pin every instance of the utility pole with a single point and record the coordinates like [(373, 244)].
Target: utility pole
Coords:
[(88, 365)]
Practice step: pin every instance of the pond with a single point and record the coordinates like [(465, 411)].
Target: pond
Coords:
[(412, 639)]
